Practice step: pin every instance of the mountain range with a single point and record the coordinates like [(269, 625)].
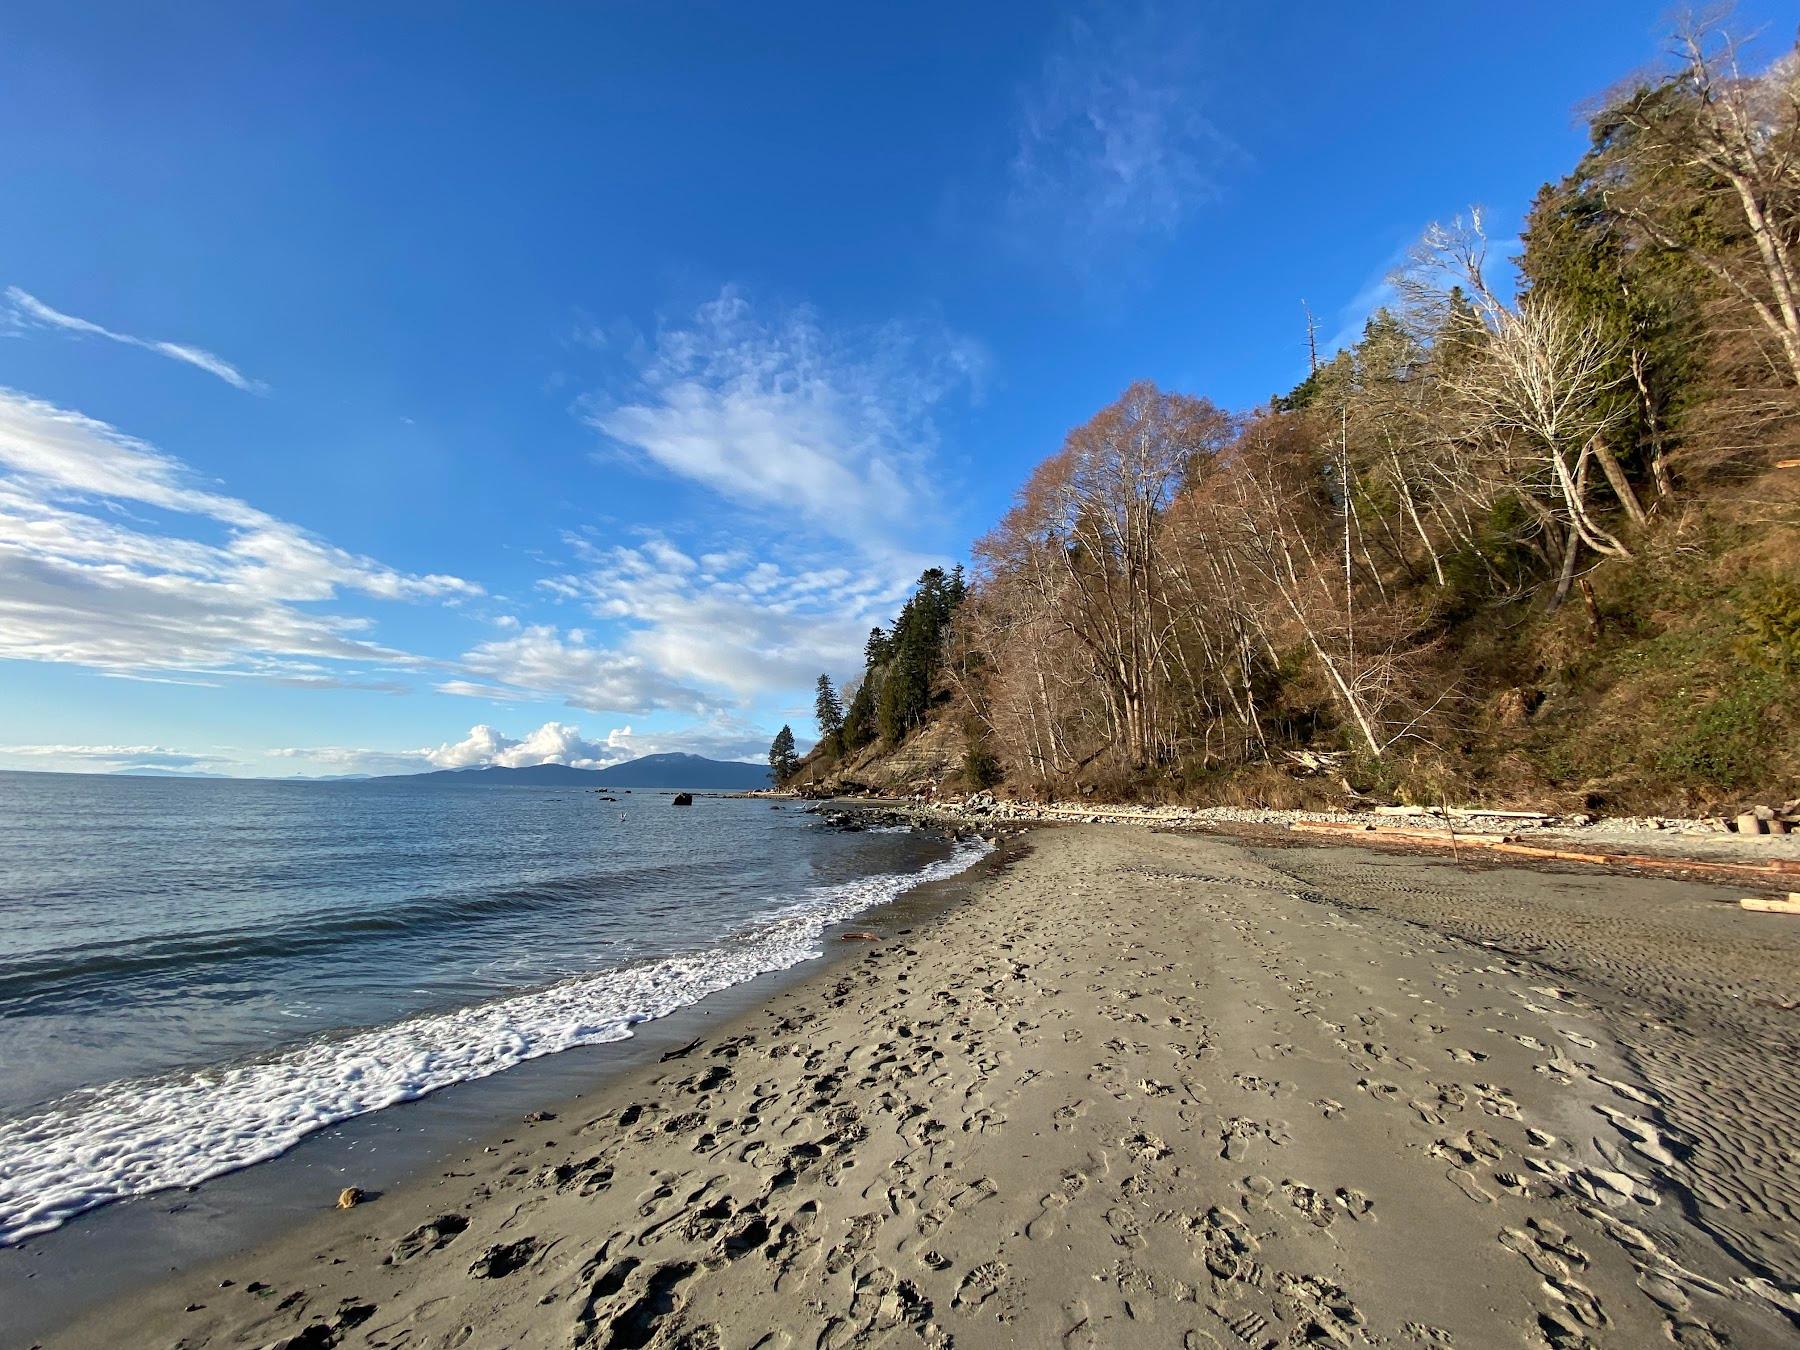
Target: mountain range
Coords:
[(651, 771)]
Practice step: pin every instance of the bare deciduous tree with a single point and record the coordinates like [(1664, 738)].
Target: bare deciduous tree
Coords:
[(1540, 390), (1714, 138)]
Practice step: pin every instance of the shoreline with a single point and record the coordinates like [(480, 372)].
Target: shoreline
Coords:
[(1694, 849), (1135, 1088), (127, 1246)]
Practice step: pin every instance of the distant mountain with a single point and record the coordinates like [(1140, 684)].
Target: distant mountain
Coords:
[(152, 771), (652, 771)]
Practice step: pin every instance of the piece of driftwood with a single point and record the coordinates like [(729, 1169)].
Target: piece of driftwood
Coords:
[(1506, 844), (1768, 904)]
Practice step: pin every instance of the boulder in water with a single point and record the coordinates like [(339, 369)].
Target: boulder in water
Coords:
[(683, 799)]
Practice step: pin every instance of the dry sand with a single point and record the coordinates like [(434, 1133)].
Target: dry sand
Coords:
[(1139, 1090)]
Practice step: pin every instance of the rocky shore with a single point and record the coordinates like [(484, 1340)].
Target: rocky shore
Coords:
[(1714, 839)]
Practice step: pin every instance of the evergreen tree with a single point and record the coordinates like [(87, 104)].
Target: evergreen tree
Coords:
[(876, 650), (783, 761), (916, 654), (829, 713), (859, 717)]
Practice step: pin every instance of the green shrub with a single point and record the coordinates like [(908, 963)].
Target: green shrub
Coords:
[(1769, 610), (980, 768)]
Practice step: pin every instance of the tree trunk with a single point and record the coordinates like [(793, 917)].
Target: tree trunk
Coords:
[(1659, 467), (1621, 485), (1776, 268), (1412, 514), (1573, 490), (1593, 607), (1571, 548)]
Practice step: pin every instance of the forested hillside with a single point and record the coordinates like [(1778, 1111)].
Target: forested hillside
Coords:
[(1517, 543)]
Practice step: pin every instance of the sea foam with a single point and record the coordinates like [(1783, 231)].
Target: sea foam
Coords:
[(139, 1136)]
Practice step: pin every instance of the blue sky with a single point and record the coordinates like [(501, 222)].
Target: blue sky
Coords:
[(593, 376)]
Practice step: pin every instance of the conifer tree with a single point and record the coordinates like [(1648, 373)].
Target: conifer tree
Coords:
[(859, 717), (829, 713), (877, 649), (783, 761)]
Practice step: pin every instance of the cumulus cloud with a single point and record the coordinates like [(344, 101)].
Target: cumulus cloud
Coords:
[(85, 580), (776, 411), (552, 743), (561, 743), (1112, 147), (27, 308)]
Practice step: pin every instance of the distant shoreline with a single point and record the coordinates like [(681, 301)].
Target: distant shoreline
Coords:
[(674, 772)]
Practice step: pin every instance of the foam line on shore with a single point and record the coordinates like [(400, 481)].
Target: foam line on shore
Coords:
[(136, 1137)]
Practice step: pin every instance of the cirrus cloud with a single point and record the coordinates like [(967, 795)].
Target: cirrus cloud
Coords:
[(777, 411), (1112, 147), (28, 309)]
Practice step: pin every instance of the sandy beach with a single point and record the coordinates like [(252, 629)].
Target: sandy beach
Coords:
[(1135, 1089)]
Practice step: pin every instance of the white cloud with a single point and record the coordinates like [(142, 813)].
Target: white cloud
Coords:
[(340, 759), (722, 738), (748, 628), (560, 743), (551, 743), (28, 308), (118, 756), (86, 580), (475, 689), (1112, 145), (698, 632), (780, 414), (539, 659)]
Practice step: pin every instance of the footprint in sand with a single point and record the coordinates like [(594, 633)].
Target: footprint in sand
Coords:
[(1227, 1246), (1146, 1147), (1354, 1202), (1079, 1334), (1573, 1310), (503, 1258), (1600, 1184), (985, 1281), (1315, 1207), (428, 1237)]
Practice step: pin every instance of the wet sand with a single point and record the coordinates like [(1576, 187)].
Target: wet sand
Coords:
[(1138, 1090)]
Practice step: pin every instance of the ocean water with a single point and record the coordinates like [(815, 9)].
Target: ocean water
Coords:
[(196, 974)]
